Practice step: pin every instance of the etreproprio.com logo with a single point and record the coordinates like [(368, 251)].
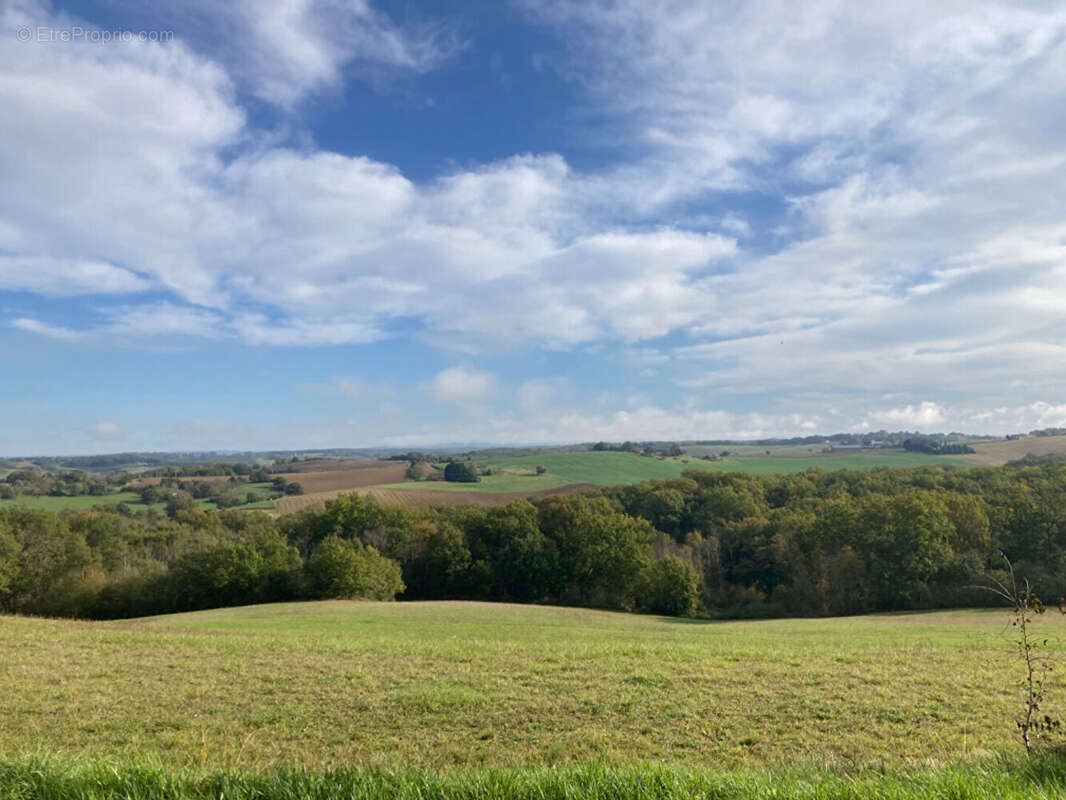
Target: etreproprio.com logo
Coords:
[(75, 33)]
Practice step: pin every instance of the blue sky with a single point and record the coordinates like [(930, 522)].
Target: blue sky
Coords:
[(315, 223)]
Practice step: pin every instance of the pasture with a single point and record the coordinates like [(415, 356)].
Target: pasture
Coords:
[(133, 500), (610, 468), (469, 685), (784, 465), (795, 450)]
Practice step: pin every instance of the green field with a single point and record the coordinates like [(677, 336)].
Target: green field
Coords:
[(782, 465), (80, 503), (454, 684), (795, 450), (517, 474), (132, 499)]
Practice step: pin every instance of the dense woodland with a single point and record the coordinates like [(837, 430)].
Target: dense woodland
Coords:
[(707, 543)]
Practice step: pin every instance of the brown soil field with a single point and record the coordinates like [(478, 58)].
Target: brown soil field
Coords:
[(423, 498), (996, 454), (348, 479), (331, 464)]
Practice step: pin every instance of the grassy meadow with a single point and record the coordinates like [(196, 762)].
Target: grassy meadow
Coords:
[(132, 499), (610, 468), (784, 465), (79, 503), (464, 685)]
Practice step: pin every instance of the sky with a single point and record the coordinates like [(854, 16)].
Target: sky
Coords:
[(327, 223)]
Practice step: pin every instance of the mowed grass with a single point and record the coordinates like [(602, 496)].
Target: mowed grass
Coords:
[(465, 685), (518, 474)]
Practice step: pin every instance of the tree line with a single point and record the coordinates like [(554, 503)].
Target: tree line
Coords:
[(707, 543)]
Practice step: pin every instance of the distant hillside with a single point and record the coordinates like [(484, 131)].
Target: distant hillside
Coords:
[(996, 454)]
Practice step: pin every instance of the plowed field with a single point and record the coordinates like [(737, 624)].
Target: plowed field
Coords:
[(332, 480)]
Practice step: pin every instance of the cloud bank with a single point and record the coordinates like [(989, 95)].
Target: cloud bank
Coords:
[(799, 202)]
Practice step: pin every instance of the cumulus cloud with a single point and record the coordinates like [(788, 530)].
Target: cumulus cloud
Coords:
[(914, 252), (307, 247), (922, 416), (912, 150)]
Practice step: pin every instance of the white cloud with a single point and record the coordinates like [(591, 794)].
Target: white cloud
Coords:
[(929, 253), (107, 432), (300, 46), (286, 51), (67, 276), (462, 386), (915, 149), (51, 331), (162, 323), (922, 416)]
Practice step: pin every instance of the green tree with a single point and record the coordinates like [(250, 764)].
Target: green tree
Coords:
[(341, 568), (673, 587), (437, 561), (258, 567), (9, 549), (907, 540), (461, 472), (49, 563), (602, 553)]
